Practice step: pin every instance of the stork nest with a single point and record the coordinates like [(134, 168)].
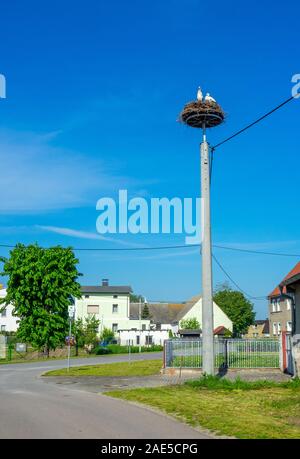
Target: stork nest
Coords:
[(199, 113)]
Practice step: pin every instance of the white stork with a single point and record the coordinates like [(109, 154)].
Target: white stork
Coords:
[(208, 98), (199, 94)]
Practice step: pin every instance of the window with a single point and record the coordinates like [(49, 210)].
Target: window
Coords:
[(86, 296), (274, 328), (288, 304), (143, 327), (279, 328), (278, 306), (114, 328), (149, 339), (289, 326), (93, 309), (273, 305), (115, 308), (3, 327), (115, 296), (3, 313), (138, 339), (255, 335)]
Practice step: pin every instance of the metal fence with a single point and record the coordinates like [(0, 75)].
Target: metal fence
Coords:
[(228, 353)]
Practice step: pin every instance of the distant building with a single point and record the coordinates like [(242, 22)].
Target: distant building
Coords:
[(8, 322), (260, 329), (291, 286), (109, 304), (280, 307), (169, 315)]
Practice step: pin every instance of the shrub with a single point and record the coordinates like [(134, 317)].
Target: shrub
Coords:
[(100, 350), (117, 349), (107, 335)]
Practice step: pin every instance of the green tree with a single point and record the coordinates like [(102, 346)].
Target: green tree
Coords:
[(236, 306), (107, 335), (40, 285), (90, 331), (190, 324), (136, 298), (78, 333), (145, 312)]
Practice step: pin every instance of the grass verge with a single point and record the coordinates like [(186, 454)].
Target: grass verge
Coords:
[(249, 410), (134, 368)]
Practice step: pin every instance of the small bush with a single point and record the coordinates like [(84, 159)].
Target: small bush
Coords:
[(100, 350), (117, 349)]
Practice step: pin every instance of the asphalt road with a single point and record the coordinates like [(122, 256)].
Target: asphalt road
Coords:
[(32, 408)]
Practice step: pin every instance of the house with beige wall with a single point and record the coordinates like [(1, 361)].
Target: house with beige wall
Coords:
[(290, 286), (109, 304), (260, 329), (280, 309)]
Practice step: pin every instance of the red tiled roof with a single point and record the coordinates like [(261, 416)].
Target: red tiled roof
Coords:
[(219, 330), (292, 273)]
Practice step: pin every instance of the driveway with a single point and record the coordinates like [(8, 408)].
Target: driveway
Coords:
[(33, 408)]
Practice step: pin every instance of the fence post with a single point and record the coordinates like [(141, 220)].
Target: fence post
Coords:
[(164, 354), (283, 350), (226, 354)]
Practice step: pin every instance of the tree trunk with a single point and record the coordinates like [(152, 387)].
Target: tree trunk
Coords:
[(46, 351)]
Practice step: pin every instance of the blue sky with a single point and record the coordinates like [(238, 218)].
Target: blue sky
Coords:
[(94, 90)]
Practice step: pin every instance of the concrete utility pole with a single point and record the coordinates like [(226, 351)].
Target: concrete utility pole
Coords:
[(202, 114), (140, 326), (207, 289)]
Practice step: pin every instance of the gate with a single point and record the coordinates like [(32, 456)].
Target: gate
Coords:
[(286, 360)]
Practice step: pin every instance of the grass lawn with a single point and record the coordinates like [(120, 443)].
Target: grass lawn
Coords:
[(134, 368), (243, 410)]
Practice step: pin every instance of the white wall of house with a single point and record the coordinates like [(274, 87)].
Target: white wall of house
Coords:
[(8, 322), (220, 318), (112, 310), (146, 337)]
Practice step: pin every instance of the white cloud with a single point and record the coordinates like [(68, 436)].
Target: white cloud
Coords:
[(86, 235), (37, 176)]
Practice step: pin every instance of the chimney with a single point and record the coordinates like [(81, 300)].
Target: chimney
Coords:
[(104, 282)]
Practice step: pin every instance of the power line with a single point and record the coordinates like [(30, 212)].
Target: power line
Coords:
[(170, 247), (234, 283), (253, 123), (259, 252)]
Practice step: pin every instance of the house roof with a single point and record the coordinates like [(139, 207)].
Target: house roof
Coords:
[(289, 277), (260, 322), (161, 313), (106, 289), (266, 329), (187, 307), (165, 313), (221, 330)]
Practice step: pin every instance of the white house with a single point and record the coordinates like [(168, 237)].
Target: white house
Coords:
[(109, 304), (143, 337), (8, 322), (168, 316), (193, 308)]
